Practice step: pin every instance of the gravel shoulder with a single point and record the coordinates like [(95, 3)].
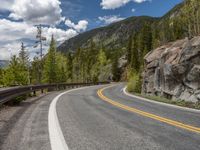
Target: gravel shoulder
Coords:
[(25, 126)]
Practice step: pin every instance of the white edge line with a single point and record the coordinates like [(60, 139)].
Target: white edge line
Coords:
[(56, 136), (160, 103)]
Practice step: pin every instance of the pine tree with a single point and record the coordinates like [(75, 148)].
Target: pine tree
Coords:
[(145, 39), (1, 77), (23, 56), (61, 68), (50, 67), (35, 67), (135, 64), (115, 68), (129, 50), (15, 73), (155, 37), (99, 67), (102, 59), (76, 65), (24, 61), (70, 67)]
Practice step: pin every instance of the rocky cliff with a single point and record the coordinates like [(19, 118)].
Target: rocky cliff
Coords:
[(173, 70)]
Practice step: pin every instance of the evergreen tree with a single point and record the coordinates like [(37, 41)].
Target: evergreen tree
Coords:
[(15, 73), (102, 59), (99, 67), (146, 39), (61, 68), (155, 37), (23, 56), (35, 67), (135, 64), (70, 67), (24, 61), (115, 68), (1, 77), (50, 68), (76, 65), (129, 50)]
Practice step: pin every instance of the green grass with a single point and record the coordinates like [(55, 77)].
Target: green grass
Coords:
[(181, 103)]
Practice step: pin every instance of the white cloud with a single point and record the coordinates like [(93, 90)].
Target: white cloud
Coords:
[(14, 30), (110, 19), (81, 26), (28, 13), (59, 34), (9, 49), (5, 5), (35, 11), (113, 4), (13, 33)]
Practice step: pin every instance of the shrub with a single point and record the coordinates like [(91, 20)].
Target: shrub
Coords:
[(134, 83)]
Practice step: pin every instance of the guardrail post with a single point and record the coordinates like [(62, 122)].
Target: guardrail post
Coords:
[(57, 87), (34, 93)]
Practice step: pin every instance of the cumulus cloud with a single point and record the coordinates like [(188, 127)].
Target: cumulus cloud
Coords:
[(113, 4), (26, 14), (81, 26), (110, 19), (14, 30), (9, 49), (13, 33), (35, 11), (5, 5), (59, 34)]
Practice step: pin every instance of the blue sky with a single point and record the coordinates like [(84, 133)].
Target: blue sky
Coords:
[(91, 10), (65, 18)]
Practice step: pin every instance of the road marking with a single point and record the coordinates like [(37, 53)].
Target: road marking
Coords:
[(160, 103), (146, 114), (56, 136)]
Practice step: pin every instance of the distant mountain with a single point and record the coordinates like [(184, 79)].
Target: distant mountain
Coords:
[(112, 36), (3, 63), (115, 35)]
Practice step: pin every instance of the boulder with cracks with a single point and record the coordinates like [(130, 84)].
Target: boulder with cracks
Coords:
[(173, 70)]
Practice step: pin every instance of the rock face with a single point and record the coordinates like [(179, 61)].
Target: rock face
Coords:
[(173, 70)]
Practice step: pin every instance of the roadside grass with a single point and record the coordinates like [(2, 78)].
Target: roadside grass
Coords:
[(179, 102)]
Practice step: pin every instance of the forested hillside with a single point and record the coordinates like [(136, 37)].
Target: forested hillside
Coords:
[(114, 52), (133, 38), (109, 36)]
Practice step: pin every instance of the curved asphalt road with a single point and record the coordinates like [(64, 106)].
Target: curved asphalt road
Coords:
[(88, 122)]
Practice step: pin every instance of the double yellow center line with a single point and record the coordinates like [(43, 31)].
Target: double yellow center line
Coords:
[(146, 114)]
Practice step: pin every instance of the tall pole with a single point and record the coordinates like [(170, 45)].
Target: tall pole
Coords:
[(39, 42), (39, 37)]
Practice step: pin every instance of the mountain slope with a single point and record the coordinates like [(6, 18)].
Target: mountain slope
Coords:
[(115, 36), (109, 36)]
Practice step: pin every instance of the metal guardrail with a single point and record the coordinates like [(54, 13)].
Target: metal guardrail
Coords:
[(13, 92)]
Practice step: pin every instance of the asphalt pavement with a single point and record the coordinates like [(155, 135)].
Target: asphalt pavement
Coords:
[(85, 121)]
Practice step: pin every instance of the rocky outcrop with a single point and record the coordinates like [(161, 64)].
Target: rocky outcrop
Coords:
[(173, 70)]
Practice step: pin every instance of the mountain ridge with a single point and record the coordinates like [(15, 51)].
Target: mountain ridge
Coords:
[(101, 36), (129, 25)]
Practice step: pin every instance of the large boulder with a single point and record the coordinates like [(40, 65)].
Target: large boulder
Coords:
[(173, 70)]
